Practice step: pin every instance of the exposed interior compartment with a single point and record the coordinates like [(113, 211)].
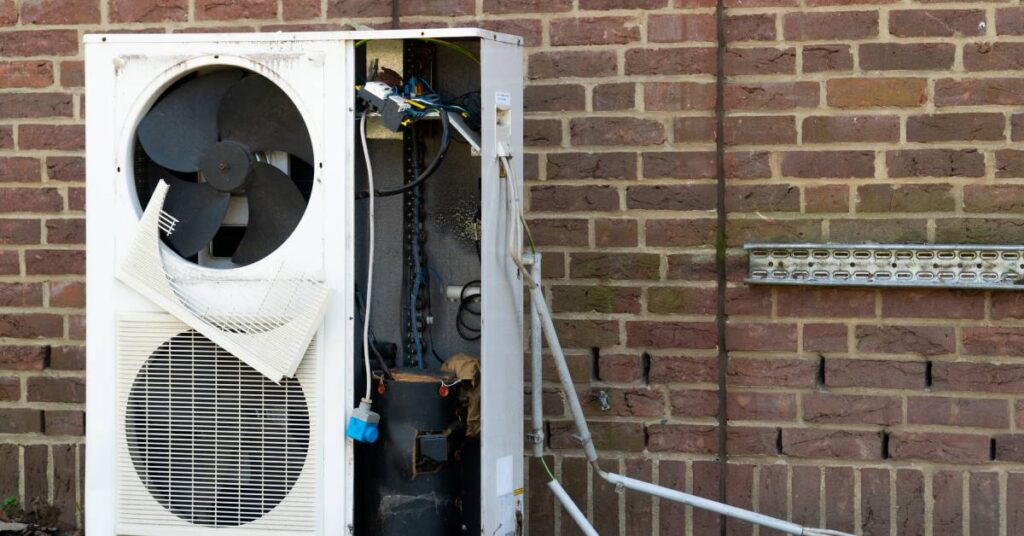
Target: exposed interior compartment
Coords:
[(423, 474)]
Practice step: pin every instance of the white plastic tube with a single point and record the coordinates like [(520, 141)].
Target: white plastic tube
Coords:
[(369, 262), (571, 508), (536, 365)]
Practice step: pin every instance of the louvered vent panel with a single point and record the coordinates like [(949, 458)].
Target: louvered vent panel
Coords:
[(206, 441)]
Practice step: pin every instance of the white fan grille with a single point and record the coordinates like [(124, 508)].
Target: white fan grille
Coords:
[(211, 440)]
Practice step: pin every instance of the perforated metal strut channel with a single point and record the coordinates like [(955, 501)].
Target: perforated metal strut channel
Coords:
[(888, 265)]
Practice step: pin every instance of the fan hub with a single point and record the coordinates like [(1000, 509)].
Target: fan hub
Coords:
[(226, 165)]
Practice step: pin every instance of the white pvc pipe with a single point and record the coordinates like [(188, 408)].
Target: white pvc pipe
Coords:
[(570, 506), (702, 503)]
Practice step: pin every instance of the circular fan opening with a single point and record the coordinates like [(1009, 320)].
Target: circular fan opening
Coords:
[(239, 161), (214, 441)]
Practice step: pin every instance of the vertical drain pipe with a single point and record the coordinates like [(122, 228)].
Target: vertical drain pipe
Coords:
[(721, 246)]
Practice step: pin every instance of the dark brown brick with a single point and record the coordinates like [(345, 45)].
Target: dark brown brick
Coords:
[(963, 412), (671, 197), (594, 30), (243, 9), (947, 497), (771, 96), (559, 232), (760, 130), (673, 96), (918, 340), (875, 374), (614, 265), (565, 64), (616, 131), (677, 165), (825, 337), (52, 137), (31, 325), (680, 28), (587, 333), (806, 494), (823, 58), (816, 26), (760, 61), (936, 22), (542, 132), (935, 163), (55, 262), (993, 56), (31, 105), (20, 421), (554, 98), (681, 232), (753, 27), (573, 198), (851, 128), (832, 302), (993, 341), (520, 6), (827, 198), (852, 409), (905, 198), (761, 337), (681, 300), (956, 127), (828, 164), (933, 303), (1009, 163), (794, 373), (151, 10), (840, 444), (1010, 21), (60, 12), (906, 56), (979, 92), (64, 423), (874, 501), (879, 230), (591, 166), (910, 499), (939, 447), (620, 368), (614, 96), (608, 436), (682, 369), (676, 335), (670, 61), (50, 389), (595, 298), (693, 403), (750, 406), (615, 232), (10, 389), (19, 231), (39, 43), (686, 438), (840, 498)]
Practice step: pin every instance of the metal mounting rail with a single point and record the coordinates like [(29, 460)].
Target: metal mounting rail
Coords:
[(967, 266)]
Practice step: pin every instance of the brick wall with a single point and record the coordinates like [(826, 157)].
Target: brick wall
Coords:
[(889, 412)]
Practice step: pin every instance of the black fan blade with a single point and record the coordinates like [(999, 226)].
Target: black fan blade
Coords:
[(183, 123), (256, 112), (275, 208), (199, 208)]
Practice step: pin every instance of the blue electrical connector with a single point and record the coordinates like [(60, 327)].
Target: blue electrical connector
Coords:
[(362, 425)]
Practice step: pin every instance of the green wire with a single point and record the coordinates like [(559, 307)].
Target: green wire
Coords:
[(546, 469)]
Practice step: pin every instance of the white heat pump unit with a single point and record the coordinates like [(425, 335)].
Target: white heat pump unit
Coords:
[(227, 237)]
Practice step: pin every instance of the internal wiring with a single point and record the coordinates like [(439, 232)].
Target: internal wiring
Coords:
[(369, 255), (426, 173), (466, 331)]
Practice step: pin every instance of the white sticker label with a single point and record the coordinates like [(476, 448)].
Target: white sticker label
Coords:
[(503, 470), (502, 99)]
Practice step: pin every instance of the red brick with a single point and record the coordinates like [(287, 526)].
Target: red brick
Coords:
[(67, 294), (616, 131), (681, 28), (874, 501), (19, 169), (773, 492), (522, 6), (671, 197), (70, 231), (828, 198), (10, 389), (976, 92), (39, 43), (591, 166), (771, 96), (683, 369), (828, 164), (671, 474), (909, 502), (693, 403), (598, 265), (616, 96), (815, 26), (60, 11), (23, 357), (876, 374), (748, 301), (64, 423), (691, 267), (670, 61), (747, 165), (919, 340), (65, 168), (608, 436), (906, 56), (595, 299), (761, 337), (754, 27), (565, 64), (825, 58), (985, 501), (851, 128), (706, 483), (687, 438), (238, 9), (794, 373), (21, 294), (301, 9), (825, 338), (20, 421), (594, 31), (620, 368), (48, 389), (956, 127), (939, 447), (1010, 21), (681, 300), (822, 443), (993, 56), (852, 409), (31, 325), (1009, 447), (554, 98), (905, 198), (978, 377), (830, 302), (760, 61), (615, 233), (30, 200), (587, 333), (9, 262), (641, 402), (977, 230), (1007, 305), (26, 74), (19, 231), (54, 262), (876, 92), (963, 412), (675, 335), (935, 163), (55, 137), (760, 130), (752, 441), (673, 96), (947, 497), (1014, 516), (1009, 163), (993, 341), (992, 198), (933, 303), (531, 30), (879, 230), (683, 232), (148, 10), (806, 495), (8, 13), (573, 198), (936, 22), (677, 165), (542, 132), (31, 105), (748, 406), (840, 498)]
